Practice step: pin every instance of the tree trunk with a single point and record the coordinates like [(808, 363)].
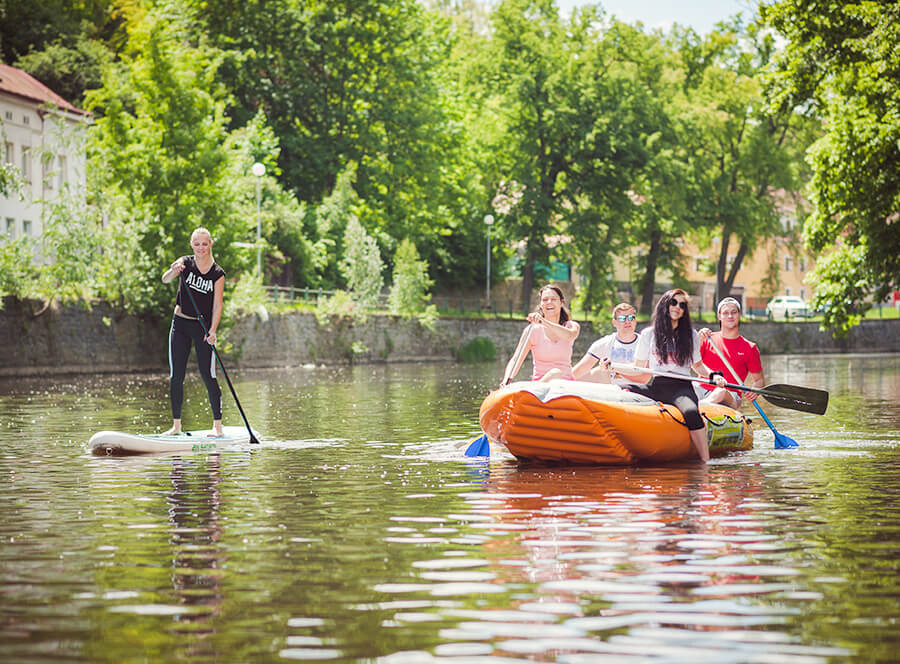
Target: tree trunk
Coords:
[(648, 283), (724, 283), (527, 281), (721, 266)]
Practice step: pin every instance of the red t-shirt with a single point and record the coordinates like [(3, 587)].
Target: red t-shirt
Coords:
[(742, 354)]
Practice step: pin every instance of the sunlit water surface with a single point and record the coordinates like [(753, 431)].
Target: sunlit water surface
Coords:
[(358, 531)]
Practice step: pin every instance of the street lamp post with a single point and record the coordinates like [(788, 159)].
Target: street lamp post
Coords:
[(258, 170), (488, 220)]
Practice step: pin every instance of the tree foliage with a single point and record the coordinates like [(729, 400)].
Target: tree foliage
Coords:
[(361, 265), (410, 282), (387, 120), (744, 157), (843, 63)]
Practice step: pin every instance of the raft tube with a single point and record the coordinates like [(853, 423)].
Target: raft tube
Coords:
[(593, 423)]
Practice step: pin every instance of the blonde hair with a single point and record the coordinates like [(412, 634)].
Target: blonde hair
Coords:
[(622, 306), (202, 230)]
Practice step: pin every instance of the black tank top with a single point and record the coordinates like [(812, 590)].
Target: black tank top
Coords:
[(202, 287)]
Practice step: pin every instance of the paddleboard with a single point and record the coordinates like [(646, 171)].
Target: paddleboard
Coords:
[(118, 443)]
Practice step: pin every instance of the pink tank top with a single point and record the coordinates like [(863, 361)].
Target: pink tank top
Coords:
[(548, 354)]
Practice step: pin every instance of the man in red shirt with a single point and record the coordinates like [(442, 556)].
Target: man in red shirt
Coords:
[(743, 355)]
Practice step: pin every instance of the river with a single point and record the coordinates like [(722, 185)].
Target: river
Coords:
[(357, 531)]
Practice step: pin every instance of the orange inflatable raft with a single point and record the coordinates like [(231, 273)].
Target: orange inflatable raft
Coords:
[(591, 423)]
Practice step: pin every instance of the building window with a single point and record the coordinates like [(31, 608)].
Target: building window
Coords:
[(9, 115), (787, 263), (47, 172), (803, 293), (26, 228), (26, 164), (803, 263), (699, 263), (10, 153), (25, 119), (787, 290), (11, 228)]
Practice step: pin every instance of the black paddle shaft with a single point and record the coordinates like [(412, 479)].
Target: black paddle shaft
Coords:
[(795, 397), (219, 360)]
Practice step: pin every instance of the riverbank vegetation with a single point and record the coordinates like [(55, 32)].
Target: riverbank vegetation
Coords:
[(388, 129)]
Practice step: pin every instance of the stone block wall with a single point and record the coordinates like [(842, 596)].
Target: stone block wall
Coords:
[(100, 340)]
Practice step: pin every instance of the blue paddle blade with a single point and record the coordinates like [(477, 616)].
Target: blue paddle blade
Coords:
[(783, 442), (480, 447)]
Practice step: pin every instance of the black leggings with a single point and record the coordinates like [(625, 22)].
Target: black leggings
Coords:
[(183, 332), (679, 393)]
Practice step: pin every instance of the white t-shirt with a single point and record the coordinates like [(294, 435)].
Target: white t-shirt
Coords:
[(617, 351), (646, 350)]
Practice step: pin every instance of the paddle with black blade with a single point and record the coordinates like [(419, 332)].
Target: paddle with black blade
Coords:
[(481, 446), (795, 397), (187, 289), (781, 441)]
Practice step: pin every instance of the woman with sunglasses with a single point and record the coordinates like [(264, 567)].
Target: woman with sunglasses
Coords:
[(550, 335), (670, 344), (618, 347)]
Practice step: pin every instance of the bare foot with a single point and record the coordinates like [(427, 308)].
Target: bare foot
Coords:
[(216, 433), (174, 431)]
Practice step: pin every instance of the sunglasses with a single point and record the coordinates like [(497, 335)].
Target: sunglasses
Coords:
[(622, 319), (673, 303)]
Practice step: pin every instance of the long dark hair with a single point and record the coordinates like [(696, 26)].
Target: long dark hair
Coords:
[(563, 312), (677, 343)]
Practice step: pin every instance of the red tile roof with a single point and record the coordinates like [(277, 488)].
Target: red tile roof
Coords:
[(16, 82)]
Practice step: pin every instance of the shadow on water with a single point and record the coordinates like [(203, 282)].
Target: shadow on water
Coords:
[(358, 532)]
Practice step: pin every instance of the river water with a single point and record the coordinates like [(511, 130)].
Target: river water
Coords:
[(357, 530)]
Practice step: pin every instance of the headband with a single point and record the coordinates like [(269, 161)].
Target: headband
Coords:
[(728, 300)]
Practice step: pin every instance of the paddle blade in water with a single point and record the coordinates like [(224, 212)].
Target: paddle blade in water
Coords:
[(783, 442), (805, 399), (480, 447)]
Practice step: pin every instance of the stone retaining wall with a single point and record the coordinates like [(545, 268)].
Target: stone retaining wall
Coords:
[(100, 340)]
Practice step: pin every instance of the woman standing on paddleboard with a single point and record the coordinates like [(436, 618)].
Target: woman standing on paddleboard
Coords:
[(206, 280)]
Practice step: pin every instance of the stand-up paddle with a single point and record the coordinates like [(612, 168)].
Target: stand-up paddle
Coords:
[(795, 397), (219, 360), (781, 441), (481, 446)]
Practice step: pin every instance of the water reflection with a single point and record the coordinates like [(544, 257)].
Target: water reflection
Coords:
[(199, 558)]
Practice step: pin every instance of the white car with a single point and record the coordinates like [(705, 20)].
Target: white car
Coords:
[(787, 306)]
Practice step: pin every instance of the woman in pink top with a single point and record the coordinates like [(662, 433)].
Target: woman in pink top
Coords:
[(550, 337)]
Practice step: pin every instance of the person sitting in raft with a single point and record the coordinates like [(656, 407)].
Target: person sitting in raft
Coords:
[(742, 354), (206, 280), (618, 347), (550, 335), (670, 344)]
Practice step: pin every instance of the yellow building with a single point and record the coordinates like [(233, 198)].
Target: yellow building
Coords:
[(777, 267)]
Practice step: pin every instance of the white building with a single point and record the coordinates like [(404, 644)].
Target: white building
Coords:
[(42, 135)]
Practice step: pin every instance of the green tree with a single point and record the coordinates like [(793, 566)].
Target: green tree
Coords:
[(410, 283), (743, 156), (159, 158), (526, 79), (361, 265), (842, 62), (604, 150), (62, 43), (368, 83)]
